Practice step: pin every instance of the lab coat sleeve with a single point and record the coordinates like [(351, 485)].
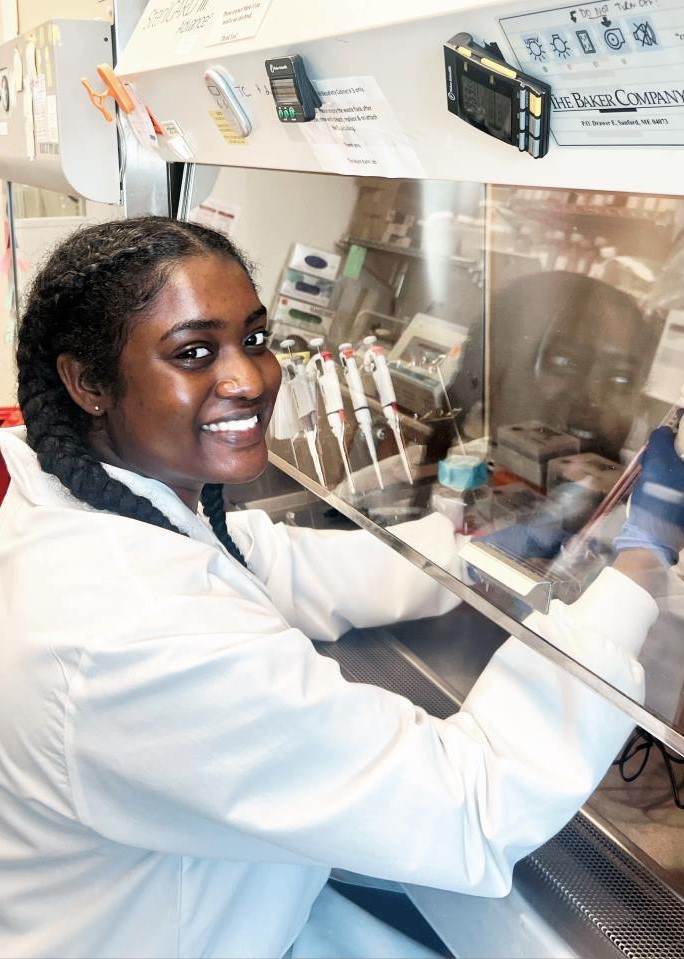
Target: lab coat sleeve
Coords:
[(325, 582), (241, 742)]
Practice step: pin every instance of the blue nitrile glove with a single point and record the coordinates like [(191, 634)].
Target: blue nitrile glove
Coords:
[(656, 510), (541, 542)]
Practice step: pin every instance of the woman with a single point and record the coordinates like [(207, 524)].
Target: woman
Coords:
[(179, 769)]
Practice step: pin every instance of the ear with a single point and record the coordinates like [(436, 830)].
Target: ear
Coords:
[(80, 388)]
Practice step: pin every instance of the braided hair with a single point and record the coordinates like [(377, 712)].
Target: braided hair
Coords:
[(80, 303)]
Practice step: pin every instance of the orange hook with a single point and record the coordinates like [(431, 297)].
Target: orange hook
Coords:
[(113, 88)]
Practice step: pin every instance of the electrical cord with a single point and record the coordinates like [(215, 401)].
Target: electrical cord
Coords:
[(642, 742)]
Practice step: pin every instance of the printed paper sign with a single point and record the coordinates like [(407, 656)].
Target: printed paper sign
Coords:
[(615, 70), (183, 25), (236, 21), (356, 131)]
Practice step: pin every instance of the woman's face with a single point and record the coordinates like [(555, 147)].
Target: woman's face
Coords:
[(197, 383)]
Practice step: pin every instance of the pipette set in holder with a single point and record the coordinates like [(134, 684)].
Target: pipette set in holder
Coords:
[(312, 396)]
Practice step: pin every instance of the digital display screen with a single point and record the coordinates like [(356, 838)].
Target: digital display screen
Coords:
[(284, 90), (487, 109)]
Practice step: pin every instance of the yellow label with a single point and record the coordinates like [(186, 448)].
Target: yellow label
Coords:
[(226, 130), (498, 68), (535, 105), (305, 355)]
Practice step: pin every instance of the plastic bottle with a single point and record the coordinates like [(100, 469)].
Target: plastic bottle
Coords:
[(462, 493)]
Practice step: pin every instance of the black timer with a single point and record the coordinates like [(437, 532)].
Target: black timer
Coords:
[(495, 97), (295, 96)]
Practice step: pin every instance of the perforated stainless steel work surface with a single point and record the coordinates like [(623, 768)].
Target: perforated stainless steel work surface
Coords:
[(605, 902)]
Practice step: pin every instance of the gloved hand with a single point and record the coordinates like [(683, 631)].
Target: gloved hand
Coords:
[(656, 510), (541, 542)]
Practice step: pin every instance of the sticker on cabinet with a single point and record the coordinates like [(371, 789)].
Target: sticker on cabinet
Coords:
[(183, 26), (237, 21), (615, 70), (356, 131)]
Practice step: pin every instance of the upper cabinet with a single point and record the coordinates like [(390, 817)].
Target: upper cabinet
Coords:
[(608, 77), (50, 136)]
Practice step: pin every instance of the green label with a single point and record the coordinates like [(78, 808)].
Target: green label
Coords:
[(354, 262)]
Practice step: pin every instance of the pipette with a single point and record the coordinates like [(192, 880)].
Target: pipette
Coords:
[(375, 361), (359, 402), (323, 365), (304, 399)]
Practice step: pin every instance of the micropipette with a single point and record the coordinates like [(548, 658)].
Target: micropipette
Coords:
[(323, 365), (304, 401), (377, 364), (359, 402)]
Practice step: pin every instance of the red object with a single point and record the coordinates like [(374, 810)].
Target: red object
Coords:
[(9, 416)]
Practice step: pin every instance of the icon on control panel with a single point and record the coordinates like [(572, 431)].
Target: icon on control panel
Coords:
[(535, 48), (560, 46), (644, 34), (615, 38), (585, 41)]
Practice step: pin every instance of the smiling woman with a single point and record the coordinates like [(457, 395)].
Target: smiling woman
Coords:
[(196, 383), (142, 342)]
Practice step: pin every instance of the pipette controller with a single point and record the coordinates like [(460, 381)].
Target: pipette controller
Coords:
[(359, 403), (376, 362), (323, 365), (304, 400)]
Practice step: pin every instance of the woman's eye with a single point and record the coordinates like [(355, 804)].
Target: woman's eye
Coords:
[(258, 338), (194, 353)]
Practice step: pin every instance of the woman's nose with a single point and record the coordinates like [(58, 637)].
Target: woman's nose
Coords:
[(240, 378)]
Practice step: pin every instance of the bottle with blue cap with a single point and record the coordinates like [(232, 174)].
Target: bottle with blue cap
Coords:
[(462, 492)]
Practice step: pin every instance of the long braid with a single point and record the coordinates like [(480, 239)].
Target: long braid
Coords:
[(80, 303), (215, 511)]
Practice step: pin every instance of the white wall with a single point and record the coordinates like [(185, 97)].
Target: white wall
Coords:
[(275, 211), (34, 12)]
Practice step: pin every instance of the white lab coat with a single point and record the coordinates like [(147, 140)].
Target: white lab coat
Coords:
[(179, 769)]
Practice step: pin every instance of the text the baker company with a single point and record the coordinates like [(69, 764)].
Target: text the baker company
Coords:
[(617, 98)]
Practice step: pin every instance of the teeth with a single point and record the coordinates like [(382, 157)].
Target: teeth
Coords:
[(231, 426)]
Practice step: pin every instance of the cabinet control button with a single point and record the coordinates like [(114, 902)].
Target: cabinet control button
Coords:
[(522, 140), (464, 51), (533, 147), (522, 99), (535, 105), (535, 126)]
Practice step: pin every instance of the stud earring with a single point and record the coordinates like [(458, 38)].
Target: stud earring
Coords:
[(97, 409)]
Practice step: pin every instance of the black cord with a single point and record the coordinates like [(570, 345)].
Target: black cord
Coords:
[(642, 742)]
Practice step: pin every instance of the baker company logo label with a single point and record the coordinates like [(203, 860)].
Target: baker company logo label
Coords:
[(188, 14), (617, 99)]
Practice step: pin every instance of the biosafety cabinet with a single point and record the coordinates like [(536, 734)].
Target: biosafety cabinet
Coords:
[(467, 222)]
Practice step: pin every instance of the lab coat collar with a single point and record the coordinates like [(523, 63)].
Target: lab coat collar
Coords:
[(44, 489)]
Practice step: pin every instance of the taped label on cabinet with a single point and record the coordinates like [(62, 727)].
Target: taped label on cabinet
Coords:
[(615, 70), (237, 21), (183, 25), (226, 130), (356, 131)]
